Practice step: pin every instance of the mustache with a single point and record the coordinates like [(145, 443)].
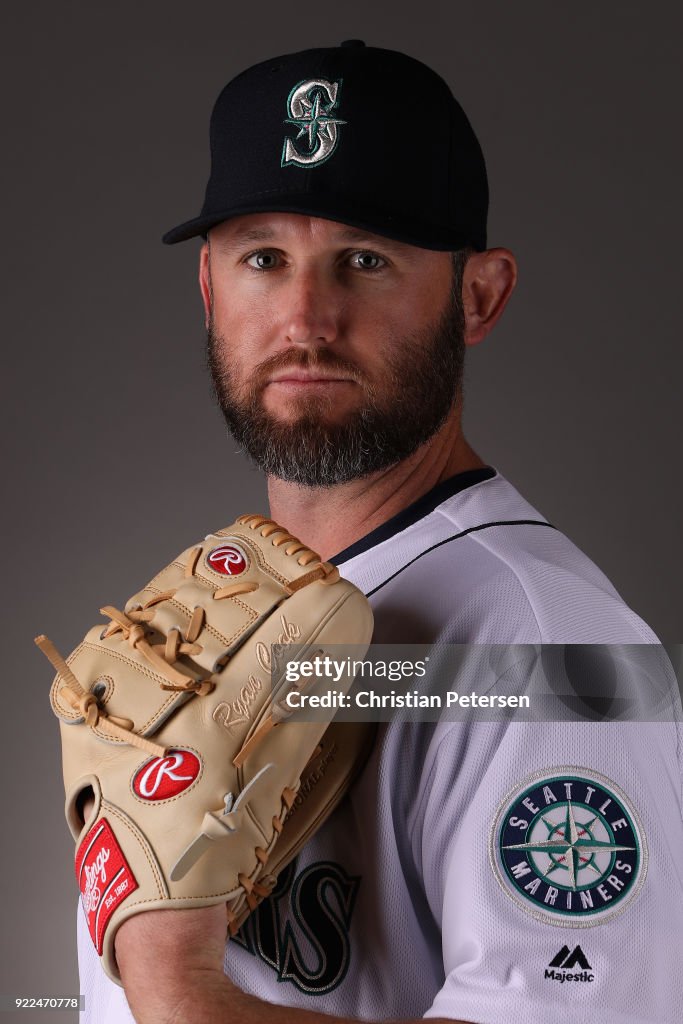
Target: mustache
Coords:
[(316, 359), (309, 359), (306, 359)]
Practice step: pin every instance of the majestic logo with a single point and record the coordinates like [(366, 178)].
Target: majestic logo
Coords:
[(568, 847), (310, 107), (228, 560), (566, 961), (166, 777)]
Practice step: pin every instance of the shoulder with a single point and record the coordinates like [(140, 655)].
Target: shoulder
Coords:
[(484, 566), (567, 825)]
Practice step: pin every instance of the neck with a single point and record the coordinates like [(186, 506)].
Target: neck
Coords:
[(329, 519)]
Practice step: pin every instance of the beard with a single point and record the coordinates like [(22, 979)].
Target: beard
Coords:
[(420, 385)]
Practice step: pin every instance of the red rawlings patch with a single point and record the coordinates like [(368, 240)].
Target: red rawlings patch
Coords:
[(104, 878), (166, 777), (228, 560)]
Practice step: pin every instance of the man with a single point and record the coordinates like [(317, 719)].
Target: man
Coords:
[(343, 273)]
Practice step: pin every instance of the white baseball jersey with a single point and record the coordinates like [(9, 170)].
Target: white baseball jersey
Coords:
[(480, 871)]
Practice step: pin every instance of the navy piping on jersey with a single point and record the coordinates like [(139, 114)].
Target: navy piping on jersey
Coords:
[(457, 536), (421, 508), (413, 513)]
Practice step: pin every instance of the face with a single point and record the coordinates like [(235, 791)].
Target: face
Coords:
[(334, 353)]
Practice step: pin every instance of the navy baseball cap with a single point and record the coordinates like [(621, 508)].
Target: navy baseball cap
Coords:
[(368, 137)]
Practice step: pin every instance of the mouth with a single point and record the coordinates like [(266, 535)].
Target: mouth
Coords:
[(301, 378)]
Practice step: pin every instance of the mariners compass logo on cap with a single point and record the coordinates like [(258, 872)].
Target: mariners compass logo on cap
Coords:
[(310, 107), (568, 847)]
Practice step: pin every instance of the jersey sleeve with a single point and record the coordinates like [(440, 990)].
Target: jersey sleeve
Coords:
[(552, 858)]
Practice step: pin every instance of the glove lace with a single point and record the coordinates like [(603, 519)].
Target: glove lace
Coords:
[(163, 657), (87, 704), (323, 571)]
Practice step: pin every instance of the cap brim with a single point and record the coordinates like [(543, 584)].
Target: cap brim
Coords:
[(396, 227), (191, 229)]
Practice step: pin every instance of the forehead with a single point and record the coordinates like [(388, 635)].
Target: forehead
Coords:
[(296, 228)]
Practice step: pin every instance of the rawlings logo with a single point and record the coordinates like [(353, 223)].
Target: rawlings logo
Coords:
[(93, 872), (161, 778), (104, 878), (228, 560)]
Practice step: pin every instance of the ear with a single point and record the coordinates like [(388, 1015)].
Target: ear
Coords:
[(489, 279), (205, 281)]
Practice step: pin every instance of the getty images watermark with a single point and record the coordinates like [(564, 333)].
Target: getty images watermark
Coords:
[(530, 682), (326, 668)]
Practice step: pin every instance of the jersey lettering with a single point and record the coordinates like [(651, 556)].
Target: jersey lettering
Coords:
[(310, 947)]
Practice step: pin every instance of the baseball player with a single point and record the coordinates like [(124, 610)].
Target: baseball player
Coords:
[(479, 870)]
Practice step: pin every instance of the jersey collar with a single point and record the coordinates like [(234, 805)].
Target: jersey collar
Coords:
[(413, 513)]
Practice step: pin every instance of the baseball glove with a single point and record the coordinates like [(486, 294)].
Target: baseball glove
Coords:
[(171, 721)]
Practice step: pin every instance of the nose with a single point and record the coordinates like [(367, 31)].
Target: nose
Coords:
[(311, 309)]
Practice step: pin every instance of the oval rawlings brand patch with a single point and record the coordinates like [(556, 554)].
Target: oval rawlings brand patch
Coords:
[(165, 777), (228, 560)]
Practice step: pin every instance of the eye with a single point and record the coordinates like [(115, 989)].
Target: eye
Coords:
[(264, 259), (367, 260)]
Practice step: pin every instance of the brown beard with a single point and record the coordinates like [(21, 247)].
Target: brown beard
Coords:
[(420, 385)]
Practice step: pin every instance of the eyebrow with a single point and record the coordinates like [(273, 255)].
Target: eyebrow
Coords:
[(350, 234), (247, 235), (266, 234)]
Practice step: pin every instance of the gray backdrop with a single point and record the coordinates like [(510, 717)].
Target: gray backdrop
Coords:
[(116, 457)]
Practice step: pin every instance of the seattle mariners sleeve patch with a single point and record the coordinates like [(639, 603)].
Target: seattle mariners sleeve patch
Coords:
[(568, 847)]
